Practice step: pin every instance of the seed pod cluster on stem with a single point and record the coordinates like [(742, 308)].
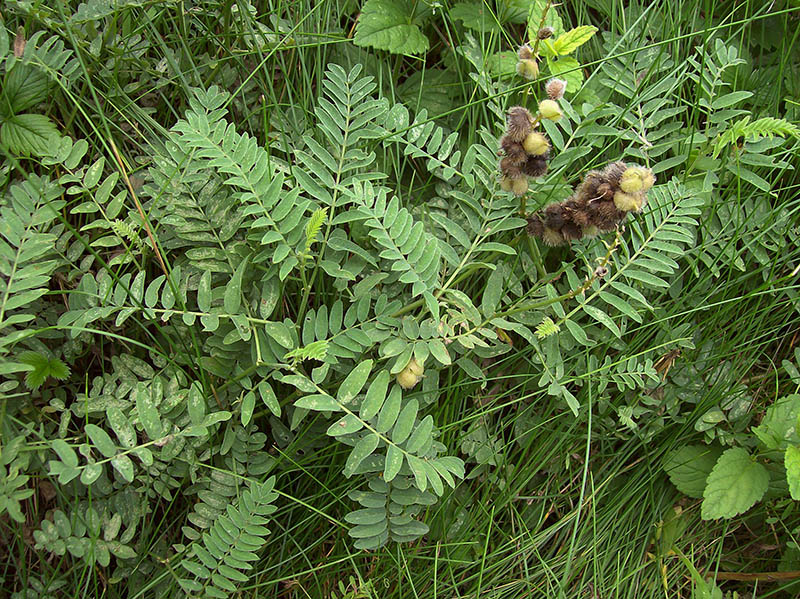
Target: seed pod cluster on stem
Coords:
[(525, 151), (602, 200)]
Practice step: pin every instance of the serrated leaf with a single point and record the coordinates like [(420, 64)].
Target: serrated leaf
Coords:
[(792, 463), (568, 42), (688, 468), (26, 134), (25, 85), (389, 25), (735, 484)]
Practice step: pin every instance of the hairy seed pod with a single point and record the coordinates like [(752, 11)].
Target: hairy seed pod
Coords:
[(549, 109), (545, 32), (513, 150), (525, 52), (555, 88), (536, 144), (554, 216), (519, 123), (628, 202), (534, 166), (528, 68), (506, 183), (535, 226), (571, 231), (511, 169), (552, 237), (519, 186)]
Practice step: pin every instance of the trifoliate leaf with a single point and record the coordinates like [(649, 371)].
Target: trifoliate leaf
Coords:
[(390, 25), (736, 482), (689, 467)]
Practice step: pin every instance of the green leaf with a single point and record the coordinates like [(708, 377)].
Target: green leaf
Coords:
[(269, 398), (42, 368), (248, 405), (439, 351), (355, 381), (390, 410), (345, 425), (792, 463), (421, 435), (568, 42), (777, 428), (25, 85), (204, 292), (280, 333), (27, 134), (65, 453), (123, 464), (390, 25), (735, 484), (361, 451), (196, 403), (148, 413), (475, 16), (375, 396), (318, 403), (405, 421), (101, 440), (394, 461), (233, 290), (492, 293), (688, 468), (121, 426)]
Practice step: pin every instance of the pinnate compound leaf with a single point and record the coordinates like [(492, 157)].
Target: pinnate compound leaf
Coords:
[(735, 484), (689, 467), (389, 25)]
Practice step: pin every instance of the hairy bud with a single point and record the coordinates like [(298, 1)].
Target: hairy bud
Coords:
[(555, 88), (545, 32), (549, 109)]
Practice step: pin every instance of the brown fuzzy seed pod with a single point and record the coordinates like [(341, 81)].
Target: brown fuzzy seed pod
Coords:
[(571, 231), (535, 166), (511, 168), (545, 32), (519, 123), (525, 52), (554, 216), (535, 226), (613, 173), (607, 216), (513, 150)]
